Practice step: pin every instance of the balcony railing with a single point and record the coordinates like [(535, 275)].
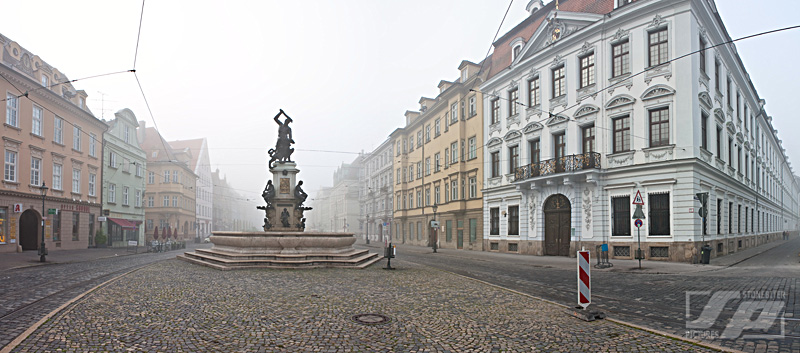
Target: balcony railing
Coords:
[(576, 162)]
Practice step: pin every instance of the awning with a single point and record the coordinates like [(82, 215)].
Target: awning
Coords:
[(124, 223)]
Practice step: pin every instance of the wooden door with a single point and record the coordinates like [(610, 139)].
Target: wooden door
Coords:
[(558, 226)]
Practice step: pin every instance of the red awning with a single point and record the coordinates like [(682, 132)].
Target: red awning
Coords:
[(125, 224)]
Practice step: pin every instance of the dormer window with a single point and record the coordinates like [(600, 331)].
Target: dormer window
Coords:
[(81, 102), (517, 50), (45, 80), (464, 75)]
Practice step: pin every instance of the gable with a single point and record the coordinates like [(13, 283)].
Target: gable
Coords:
[(557, 26)]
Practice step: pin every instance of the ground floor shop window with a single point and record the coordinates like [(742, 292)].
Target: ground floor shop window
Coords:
[(513, 220), (76, 225), (659, 214), (56, 226), (3, 225), (473, 230), (448, 231), (621, 215), (419, 230)]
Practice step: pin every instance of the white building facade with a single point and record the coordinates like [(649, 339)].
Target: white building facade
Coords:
[(589, 109), (376, 193)]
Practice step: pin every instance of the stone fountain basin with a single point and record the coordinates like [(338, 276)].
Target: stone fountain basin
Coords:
[(282, 242)]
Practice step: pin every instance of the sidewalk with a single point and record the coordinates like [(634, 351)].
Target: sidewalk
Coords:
[(30, 258), (569, 263)]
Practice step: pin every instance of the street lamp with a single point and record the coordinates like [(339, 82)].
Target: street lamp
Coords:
[(435, 229), (366, 236), (42, 249)]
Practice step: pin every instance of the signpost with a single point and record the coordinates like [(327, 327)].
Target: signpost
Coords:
[(638, 215)]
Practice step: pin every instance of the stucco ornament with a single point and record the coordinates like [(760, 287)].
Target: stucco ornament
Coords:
[(587, 207)]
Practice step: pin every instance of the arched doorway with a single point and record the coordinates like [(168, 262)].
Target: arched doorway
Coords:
[(557, 225), (29, 230)]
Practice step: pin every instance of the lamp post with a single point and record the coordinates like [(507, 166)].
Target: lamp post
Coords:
[(42, 249), (366, 236), (435, 229)]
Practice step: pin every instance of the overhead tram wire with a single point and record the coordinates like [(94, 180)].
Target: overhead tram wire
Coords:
[(138, 36), (614, 85)]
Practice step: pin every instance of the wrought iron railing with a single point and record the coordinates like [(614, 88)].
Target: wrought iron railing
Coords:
[(590, 160)]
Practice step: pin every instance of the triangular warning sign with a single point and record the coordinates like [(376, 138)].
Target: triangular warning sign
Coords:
[(638, 199)]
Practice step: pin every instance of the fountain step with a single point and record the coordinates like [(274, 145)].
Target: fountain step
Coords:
[(362, 260), (277, 256)]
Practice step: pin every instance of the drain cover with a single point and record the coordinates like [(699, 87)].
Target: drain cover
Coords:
[(371, 319)]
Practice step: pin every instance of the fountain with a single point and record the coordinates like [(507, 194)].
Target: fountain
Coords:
[(283, 243)]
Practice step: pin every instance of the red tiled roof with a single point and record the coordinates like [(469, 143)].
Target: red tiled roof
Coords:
[(195, 146)]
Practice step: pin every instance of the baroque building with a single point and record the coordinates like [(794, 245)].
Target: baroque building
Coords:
[(336, 208), (171, 184), (50, 139), (204, 192), (124, 166), (376, 193), (438, 165), (588, 107)]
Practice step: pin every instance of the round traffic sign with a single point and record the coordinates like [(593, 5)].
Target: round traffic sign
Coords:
[(638, 223)]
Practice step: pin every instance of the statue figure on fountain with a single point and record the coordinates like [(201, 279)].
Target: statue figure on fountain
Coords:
[(282, 151)]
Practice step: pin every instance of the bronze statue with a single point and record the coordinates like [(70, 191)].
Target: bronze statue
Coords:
[(285, 218), (282, 151), (269, 193), (299, 194)]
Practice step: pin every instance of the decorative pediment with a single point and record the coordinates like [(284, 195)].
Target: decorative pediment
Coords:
[(585, 48), (619, 101), (532, 127), (513, 85), (557, 61), (586, 109), (705, 99), (731, 128), (511, 135), (494, 141), (555, 28), (747, 145), (533, 74), (620, 34), (657, 91), (656, 22), (739, 137), (719, 115), (556, 119)]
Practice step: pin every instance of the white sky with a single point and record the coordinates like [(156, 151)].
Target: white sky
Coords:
[(345, 70)]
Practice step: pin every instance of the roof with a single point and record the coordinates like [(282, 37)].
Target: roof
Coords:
[(195, 145), (152, 141)]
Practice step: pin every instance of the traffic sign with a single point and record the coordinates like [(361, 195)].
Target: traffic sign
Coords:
[(51, 211), (638, 223), (638, 199)]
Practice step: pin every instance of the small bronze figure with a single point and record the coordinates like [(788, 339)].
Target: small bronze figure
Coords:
[(285, 218), (269, 193), (300, 195)]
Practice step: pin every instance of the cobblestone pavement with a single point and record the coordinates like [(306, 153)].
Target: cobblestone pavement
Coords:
[(179, 307), (656, 301), (28, 294)]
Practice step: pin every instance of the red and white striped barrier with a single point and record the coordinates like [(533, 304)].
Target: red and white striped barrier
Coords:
[(584, 279)]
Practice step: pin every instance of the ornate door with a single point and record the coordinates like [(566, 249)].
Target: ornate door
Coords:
[(29, 228), (557, 225)]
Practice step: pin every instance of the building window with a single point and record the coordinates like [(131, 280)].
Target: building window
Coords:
[(125, 192), (513, 159), (495, 111), (454, 152), (92, 183), (719, 142), (473, 153), (495, 158), (36, 171), (473, 230), (558, 82), (411, 199), (587, 135), (659, 214), (57, 176), (92, 145), (428, 133), (419, 170), (428, 166), (473, 108), (76, 225), (453, 190), (560, 146), (175, 178), (76, 138), (436, 192), (702, 56), (658, 47), (536, 151), (730, 151), (437, 159), (138, 169), (494, 223), (126, 134), (36, 128), (427, 197), (12, 110), (587, 70), (58, 130), (165, 202), (437, 130), (174, 201), (419, 138), (717, 81), (728, 92), (513, 98), (473, 187), (659, 127), (704, 130), (621, 215), (112, 161), (513, 220), (533, 91), (112, 193), (622, 134), (76, 180), (166, 177), (730, 218), (454, 113), (56, 226)]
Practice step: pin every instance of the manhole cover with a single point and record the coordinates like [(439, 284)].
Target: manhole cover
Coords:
[(371, 319)]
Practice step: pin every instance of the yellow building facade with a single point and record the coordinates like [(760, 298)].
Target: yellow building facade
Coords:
[(438, 167)]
